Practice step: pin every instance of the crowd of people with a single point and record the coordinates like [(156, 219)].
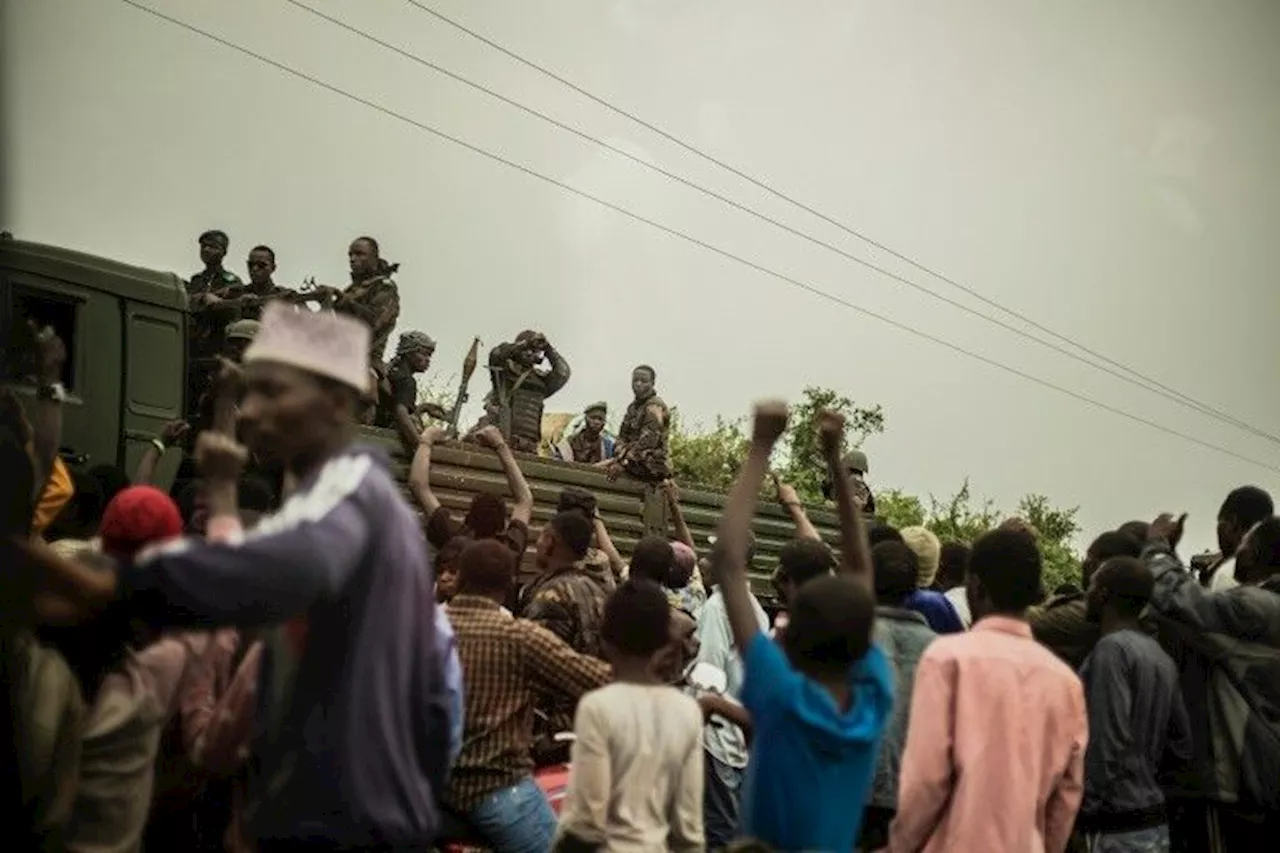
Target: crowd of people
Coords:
[(280, 657)]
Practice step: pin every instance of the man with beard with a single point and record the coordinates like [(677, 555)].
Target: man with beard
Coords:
[(590, 444), (641, 451), (520, 389), (357, 709)]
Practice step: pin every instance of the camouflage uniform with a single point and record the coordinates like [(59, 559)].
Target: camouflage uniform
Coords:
[(522, 391), (376, 301), (204, 333), (589, 449), (642, 440)]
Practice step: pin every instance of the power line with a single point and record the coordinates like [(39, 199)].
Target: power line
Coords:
[(1137, 378), (802, 285)]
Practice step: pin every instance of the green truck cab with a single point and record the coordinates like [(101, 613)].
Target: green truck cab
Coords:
[(125, 328), (125, 331)]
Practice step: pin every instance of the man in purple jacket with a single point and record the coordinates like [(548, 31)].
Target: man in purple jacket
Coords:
[(352, 742)]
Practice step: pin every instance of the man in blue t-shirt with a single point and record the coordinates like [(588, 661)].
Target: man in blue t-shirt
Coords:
[(820, 700)]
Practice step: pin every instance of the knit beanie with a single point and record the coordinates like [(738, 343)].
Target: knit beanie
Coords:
[(137, 517), (928, 551)]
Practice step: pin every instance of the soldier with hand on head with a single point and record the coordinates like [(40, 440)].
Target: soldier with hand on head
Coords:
[(521, 388)]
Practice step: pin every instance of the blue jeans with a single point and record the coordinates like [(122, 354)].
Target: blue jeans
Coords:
[(516, 820), (722, 793), (1153, 840)]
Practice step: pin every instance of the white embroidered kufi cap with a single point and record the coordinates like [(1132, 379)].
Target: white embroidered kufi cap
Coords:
[(319, 342)]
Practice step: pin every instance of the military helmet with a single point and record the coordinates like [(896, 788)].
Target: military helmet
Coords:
[(415, 342), (856, 460)]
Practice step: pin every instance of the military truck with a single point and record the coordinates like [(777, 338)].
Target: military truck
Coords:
[(125, 329)]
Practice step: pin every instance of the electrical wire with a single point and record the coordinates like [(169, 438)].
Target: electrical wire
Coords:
[(1135, 377), (798, 283)]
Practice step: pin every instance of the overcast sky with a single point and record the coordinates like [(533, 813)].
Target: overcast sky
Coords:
[(1106, 169)]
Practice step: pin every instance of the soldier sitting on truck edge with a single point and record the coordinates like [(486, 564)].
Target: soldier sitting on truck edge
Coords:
[(590, 445), (398, 391)]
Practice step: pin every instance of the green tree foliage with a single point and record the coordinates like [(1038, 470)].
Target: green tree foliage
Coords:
[(711, 458)]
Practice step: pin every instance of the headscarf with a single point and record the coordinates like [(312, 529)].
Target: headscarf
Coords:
[(137, 517)]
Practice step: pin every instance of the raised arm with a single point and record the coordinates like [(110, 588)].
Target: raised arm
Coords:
[(559, 375), (791, 502), (734, 530), (46, 412), (170, 435), (672, 494), (420, 470), (521, 494), (605, 542), (855, 551)]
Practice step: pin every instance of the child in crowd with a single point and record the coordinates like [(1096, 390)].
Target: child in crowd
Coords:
[(637, 774), (820, 698)]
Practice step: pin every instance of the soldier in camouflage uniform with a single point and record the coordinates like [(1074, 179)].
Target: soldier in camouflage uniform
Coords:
[(209, 315), (855, 465), (372, 296), (641, 451), (520, 389), (590, 445)]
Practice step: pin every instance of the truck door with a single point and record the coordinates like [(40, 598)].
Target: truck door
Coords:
[(154, 381)]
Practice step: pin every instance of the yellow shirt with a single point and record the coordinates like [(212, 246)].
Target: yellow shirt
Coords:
[(58, 492)]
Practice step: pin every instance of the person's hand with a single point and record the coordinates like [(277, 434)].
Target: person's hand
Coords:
[(434, 410), (491, 437), (712, 704), (173, 432), (769, 424), (1166, 528), (220, 458), (831, 433), (51, 352), (613, 470), (435, 435)]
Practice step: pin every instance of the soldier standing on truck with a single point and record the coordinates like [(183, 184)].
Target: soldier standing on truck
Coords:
[(520, 389), (372, 296), (642, 438), (209, 315)]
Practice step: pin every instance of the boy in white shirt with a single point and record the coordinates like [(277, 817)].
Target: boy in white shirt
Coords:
[(637, 767)]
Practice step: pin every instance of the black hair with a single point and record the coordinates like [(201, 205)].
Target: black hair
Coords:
[(111, 479), (953, 561), (637, 619), (215, 235), (1008, 564), (802, 560), (879, 531), (486, 567), (653, 374), (486, 515), (652, 559), (451, 550), (574, 530), (1128, 583), (373, 244), (1136, 529), (261, 248), (1067, 588), (829, 625), (1246, 506), (1108, 545), (897, 567), (574, 498)]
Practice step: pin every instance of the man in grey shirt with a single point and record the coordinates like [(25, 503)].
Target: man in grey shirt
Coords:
[(1138, 724)]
